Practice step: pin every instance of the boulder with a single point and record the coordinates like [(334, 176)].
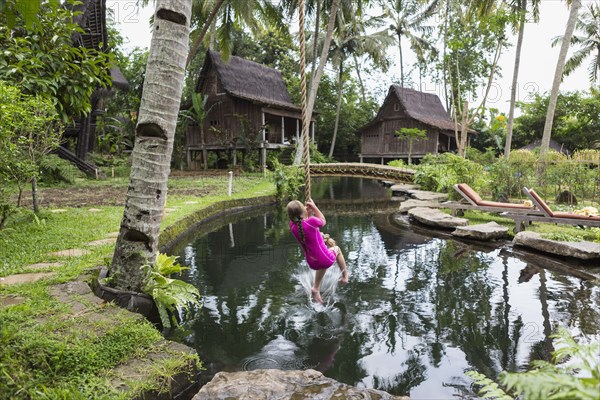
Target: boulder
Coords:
[(413, 203), (267, 384), (489, 231), (403, 188), (581, 250), (436, 218), (428, 196)]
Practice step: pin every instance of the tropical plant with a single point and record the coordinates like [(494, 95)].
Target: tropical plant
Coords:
[(408, 22), (588, 41), (288, 180), (558, 74), (137, 243), (411, 134), (169, 294), (574, 373), (440, 172)]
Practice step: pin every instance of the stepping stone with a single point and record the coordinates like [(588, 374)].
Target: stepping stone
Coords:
[(58, 210), (436, 218), (94, 210), (581, 250), (190, 202), (429, 196), (70, 253), (489, 231), (43, 265), (403, 188), (168, 210), (112, 235), (24, 278), (413, 203), (6, 301), (101, 242)]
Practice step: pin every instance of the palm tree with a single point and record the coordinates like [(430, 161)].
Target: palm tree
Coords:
[(351, 39), (519, 9), (137, 243), (558, 73), (589, 42), (408, 22)]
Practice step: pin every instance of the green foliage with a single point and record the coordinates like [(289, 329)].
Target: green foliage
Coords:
[(411, 134), (169, 294), (573, 374), (288, 180), (441, 172), (492, 132), (560, 236), (41, 58), (54, 169), (397, 163)]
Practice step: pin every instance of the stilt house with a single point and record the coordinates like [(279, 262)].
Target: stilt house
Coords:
[(407, 108), (247, 107)]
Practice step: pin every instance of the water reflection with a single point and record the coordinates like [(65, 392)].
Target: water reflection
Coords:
[(418, 312)]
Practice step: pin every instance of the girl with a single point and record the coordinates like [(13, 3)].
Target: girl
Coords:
[(319, 257)]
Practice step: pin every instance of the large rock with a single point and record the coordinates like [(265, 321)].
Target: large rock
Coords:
[(489, 231), (274, 384), (581, 250), (413, 203), (428, 196), (403, 188), (436, 218)]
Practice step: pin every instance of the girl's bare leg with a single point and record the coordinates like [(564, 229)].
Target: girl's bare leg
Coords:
[(316, 289), (341, 261)]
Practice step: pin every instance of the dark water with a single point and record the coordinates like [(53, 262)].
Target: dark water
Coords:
[(418, 312)]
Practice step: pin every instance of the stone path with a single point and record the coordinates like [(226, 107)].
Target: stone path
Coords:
[(24, 278), (581, 250), (436, 218), (489, 231), (70, 253), (101, 242), (43, 266)]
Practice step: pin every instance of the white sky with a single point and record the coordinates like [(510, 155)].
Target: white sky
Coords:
[(538, 57)]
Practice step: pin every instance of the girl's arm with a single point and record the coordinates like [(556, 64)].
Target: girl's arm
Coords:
[(310, 204)]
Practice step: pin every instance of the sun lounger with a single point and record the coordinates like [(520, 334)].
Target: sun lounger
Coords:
[(550, 216), (475, 202)]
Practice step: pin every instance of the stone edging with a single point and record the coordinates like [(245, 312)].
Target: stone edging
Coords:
[(172, 234)]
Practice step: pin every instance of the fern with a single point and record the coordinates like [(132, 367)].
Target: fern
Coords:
[(579, 378), (169, 294)]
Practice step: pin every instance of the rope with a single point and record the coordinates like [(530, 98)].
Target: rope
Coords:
[(305, 121)]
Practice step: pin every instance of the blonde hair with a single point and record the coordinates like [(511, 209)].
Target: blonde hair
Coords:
[(295, 210)]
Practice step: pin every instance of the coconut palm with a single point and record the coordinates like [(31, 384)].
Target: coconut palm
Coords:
[(558, 73), (137, 243), (588, 41), (408, 22), (350, 39)]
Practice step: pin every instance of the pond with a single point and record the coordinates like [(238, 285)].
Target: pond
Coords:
[(418, 312)]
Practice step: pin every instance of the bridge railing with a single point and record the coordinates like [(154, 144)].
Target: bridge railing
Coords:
[(362, 170)]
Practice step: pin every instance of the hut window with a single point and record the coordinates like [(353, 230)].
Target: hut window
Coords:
[(396, 107)]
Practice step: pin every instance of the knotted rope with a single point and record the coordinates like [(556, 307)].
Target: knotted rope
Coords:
[(305, 121)]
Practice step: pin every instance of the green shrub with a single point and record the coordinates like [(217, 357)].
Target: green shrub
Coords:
[(54, 169), (397, 163), (288, 180), (441, 172)]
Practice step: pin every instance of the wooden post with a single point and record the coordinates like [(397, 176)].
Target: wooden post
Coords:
[(297, 131), (282, 129), (263, 129), (312, 128)]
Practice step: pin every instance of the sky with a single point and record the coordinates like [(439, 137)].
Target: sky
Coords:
[(538, 57)]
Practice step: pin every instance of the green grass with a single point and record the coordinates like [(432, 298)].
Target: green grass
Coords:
[(48, 352)]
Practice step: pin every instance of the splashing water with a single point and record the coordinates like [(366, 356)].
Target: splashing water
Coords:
[(329, 285)]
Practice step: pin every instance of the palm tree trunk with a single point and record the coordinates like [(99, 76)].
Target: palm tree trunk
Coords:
[(515, 80), (338, 109), (558, 74), (315, 49), (446, 98), (360, 81), (198, 41), (401, 61), (137, 243), (312, 94)]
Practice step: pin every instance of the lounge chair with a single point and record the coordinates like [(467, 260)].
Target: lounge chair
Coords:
[(475, 202), (557, 217)]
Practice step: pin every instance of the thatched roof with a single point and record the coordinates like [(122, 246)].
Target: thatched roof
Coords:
[(92, 19), (424, 107), (118, 79), (247, 80)]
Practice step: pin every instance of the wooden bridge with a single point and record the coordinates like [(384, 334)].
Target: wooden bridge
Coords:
[(362, 170)]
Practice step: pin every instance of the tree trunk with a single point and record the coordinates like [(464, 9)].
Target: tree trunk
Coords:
[(20, 197), (401, 61), (515, 79), (312, 94), (338, 109), (207, 24), (410, 144), (34, 195), (558, 74), (360, 81), (446, 97), (315, 49), (137, 242), (464, 130)]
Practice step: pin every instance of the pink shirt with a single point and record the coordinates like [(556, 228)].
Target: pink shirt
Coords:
[(317, 254)]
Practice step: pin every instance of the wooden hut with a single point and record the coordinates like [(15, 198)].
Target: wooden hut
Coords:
[(91, 18), (407, 108), (247, 107)]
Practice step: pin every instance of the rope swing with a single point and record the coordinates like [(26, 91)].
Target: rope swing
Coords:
[(305, 122)]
